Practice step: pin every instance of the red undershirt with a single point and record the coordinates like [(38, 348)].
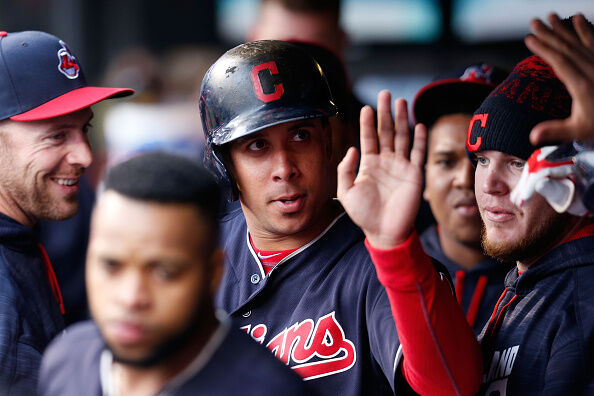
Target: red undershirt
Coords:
[(270, 258)]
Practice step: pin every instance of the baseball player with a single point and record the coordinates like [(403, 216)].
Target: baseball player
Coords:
[(300, 277), (152, 271), (445, 106), (44, 150), (540, 337), (541, 333)]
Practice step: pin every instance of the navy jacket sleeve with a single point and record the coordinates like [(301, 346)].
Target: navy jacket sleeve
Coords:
[(19, 359)]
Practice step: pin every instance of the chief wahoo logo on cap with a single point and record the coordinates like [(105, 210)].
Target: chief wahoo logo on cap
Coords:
[(68, 65)]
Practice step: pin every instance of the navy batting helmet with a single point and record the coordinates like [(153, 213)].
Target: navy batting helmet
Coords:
[(254, 86)]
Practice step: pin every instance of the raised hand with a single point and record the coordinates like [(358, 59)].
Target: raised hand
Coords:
[(384, 197), (572, 58)]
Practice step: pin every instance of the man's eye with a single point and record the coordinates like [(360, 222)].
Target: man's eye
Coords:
[(257, 145), (518, 164), (58, 136), (301, 135), (445, 163), (166, 273), (482, 160), (87, 128), (111, 265)]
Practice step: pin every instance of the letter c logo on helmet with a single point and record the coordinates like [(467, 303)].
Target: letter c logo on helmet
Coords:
[(257, 81)]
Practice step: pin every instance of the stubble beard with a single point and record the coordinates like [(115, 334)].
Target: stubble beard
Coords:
[(31, 196), (174, 343), (37, 203), (34, 200), (533, 245)]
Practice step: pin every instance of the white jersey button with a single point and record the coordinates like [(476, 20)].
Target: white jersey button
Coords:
[(255, 278)]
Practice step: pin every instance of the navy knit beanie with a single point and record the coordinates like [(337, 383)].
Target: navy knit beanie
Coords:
[(530, 94)]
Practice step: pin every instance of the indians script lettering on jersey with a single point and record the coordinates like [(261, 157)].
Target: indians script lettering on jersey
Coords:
[(500, 368), (313, 350)]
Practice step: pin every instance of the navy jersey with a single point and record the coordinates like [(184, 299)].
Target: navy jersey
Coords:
[(71, 367), (478, 288), (29, 314), (541, 338), (321, 310)]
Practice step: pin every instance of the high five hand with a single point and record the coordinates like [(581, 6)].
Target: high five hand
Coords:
[(572, 57), (384, 197)]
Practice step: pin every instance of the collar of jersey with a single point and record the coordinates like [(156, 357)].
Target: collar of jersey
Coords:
[(295, 253)]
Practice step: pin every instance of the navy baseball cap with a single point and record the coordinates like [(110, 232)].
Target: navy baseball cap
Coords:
[(458, 91), (40, 78)]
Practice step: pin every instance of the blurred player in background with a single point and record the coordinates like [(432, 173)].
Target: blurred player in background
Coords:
[(309, 21), (446, 106)]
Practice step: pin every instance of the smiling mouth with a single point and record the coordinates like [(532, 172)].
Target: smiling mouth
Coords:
[(66, 182)]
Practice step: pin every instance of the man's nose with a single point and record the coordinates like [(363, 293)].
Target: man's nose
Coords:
[(80, 154)]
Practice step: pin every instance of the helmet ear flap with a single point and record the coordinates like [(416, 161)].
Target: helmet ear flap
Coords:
[(222, 157), (214, 160)]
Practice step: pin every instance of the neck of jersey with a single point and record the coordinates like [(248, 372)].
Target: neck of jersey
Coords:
[(270, 258)]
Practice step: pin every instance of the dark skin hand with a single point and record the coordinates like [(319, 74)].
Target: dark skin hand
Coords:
[(572, 58)]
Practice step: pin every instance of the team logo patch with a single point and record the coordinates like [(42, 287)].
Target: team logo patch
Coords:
[(477, 74), (312, 350), (68, 64), (262, 75)]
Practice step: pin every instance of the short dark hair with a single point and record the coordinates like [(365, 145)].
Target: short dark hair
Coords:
[(167, 178)]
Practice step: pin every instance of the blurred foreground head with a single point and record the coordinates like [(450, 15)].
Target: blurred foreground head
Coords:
[(152, 264)]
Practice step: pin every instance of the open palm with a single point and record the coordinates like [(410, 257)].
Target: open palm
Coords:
[(384, 197), (572, 58)]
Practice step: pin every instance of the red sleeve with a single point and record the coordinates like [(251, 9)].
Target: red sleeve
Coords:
[(441, 353)]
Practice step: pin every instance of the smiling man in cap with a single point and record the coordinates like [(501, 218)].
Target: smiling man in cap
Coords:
[(44, 120)]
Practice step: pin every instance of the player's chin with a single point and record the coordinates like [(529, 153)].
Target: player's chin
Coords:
[(58, 211), (68, 210), (293, 223), (465, 231), (138, 358)]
